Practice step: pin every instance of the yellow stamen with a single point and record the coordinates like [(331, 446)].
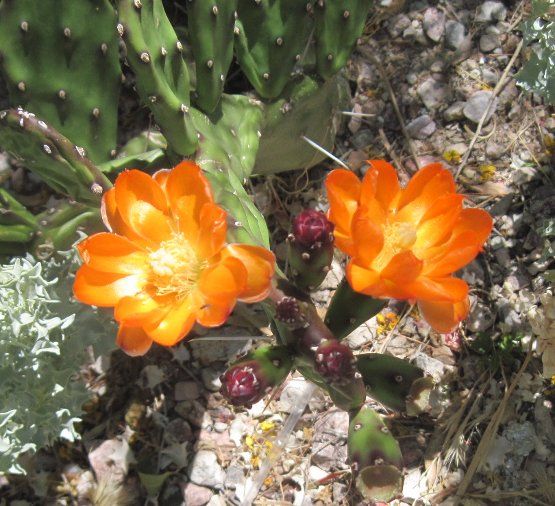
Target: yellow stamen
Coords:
[(398, 236), (175, 267)]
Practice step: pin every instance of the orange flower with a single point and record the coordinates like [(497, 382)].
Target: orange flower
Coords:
[(165, 263), (407, 243)]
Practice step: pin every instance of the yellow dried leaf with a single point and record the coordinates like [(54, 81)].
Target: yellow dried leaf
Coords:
[(452, 156)]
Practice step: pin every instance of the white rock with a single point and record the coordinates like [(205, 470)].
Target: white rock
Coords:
[(491, 11), (206, 471)]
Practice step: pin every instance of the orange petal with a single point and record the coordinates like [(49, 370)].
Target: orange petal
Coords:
[(438, 222), (363, 280), (214, 315), (343, 188), (113, 220), (367, 238), (133, 340), (112, 253), (213, 229), (423, 189), (403, 268), (444, 316), (475, 220), (188, 190), (223, 282), (161, 177), (137, 309), (446, 289), (387, 183), (260, 266), (175, 324), (461, 251), (104, 289), (142, 205)]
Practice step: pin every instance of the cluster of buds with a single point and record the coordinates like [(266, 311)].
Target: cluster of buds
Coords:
[(310, 249)]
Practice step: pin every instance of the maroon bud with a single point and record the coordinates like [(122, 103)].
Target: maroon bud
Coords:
[(288, 311), (312, 229), (335, 361), (242, 384)]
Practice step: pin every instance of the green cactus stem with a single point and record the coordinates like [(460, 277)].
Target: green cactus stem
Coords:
[(349, 309), (163, 83), (60, 60), (211, 33), (271, 38), (253, 376), (12, 212), (338, 24), (375, 456), (60, 163), (394, 382)]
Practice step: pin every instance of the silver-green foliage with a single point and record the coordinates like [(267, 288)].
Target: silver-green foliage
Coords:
[(538, 74), (44, 337)]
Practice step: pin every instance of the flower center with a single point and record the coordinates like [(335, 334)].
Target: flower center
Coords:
[(398, 236), (175, 267)]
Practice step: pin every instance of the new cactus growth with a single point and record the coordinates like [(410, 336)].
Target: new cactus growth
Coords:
[(335, 362), (253, 376), (375, 455), (310, 248), (60, 60), (395, 383)]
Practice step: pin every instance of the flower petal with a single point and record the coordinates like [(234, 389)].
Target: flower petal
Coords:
[(446, 289), (137, 310), (113, 220), (403, 268), (444, 317), (175, 324), (213, 229), (214, 315), (387, 183), (367, 238), (343, 188), (133, 340), (363, 280), (112, 253), (475, 220), (461, 251), (104, 289), (423, 189), (223, 282), (260, 266)]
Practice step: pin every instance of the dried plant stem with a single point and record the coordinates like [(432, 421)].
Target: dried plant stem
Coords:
[(496, 90)]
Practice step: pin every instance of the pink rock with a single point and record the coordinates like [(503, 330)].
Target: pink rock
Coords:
[(195, 495)]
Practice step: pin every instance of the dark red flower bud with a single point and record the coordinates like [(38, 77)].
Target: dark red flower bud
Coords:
[(312, 229), (242, 384), (335, 361)]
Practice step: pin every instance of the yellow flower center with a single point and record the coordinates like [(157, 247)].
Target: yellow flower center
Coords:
[(175, 267), (398, 236)]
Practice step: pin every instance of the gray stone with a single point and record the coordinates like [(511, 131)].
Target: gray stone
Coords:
[(235, 475), (491, 11), (211, 378), (494, 151), (186, 391), (432, 93), (488, 42), (480, 318), (195, 495), (206, 471), (489, 76), (328, 452), (454, 112), (476, 106), (398, 25), (434, 23), (421, 127)]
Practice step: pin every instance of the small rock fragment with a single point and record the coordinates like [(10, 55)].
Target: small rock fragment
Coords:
[(434, 23), (488, 42), (432, 93), (195, 495), (421, 127), (454, 112), (454, 34), (186, 391), (206, 471), (476, 105), (491, 11)]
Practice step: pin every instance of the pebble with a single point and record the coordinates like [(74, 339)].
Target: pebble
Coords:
[(480, 318), (494, 151), (186, 391), (316, 474), (110, 460), (421, 127), (205, 470), (454, 112), (488, 42), (491, 11), (235, 475), (434, 23), (290, 394), (327, 451), (476, 105), (432, 93), (195, 495), (454, 34), (211, 378), (398, 25)]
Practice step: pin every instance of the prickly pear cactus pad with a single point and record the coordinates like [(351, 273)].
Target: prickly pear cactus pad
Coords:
[(60, 59)]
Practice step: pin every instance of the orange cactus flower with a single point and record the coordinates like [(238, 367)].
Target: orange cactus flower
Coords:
[(406, 243), (165, 264)]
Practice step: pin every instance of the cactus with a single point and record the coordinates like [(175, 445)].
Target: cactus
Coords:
[(310, 249), (349, 309), (395, 383), (375, 456), (271, 38), (253, 376), (211, 31), (338, 24), (64, 69)]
